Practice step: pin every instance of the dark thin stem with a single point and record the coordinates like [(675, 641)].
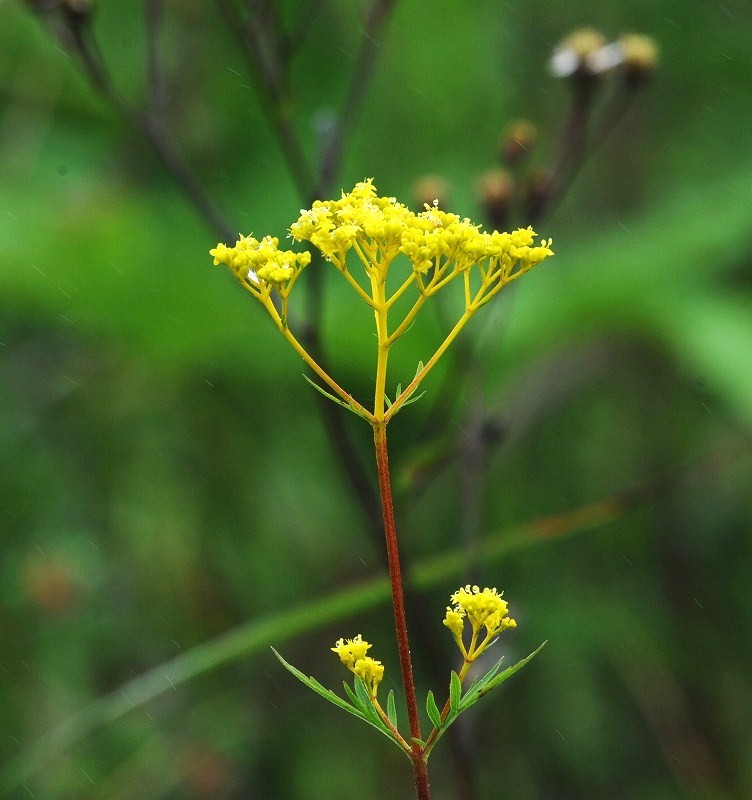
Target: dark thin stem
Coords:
[(267, 26), (304, 17), (572, 140), (420, 771), (333, 154), (156, 90), (148, 126), (271, 87)]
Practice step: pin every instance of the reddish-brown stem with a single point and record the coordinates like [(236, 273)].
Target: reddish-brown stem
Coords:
[(420, 770)]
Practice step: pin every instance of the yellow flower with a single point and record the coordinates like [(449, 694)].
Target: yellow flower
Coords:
[(455, 621), (261, 263), (352, 653), (378, 229), (370, 672), (484, 608), (351, 650)]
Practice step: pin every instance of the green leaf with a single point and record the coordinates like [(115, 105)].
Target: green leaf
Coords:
[(481, 682), (368, 713), (391, 708), (357, 411), (433, 711), (413, 399), (455, 693), (366, 704), (354, 699), (409, 401), (418, 741), (331, 397), (486, 684), (314, 685)]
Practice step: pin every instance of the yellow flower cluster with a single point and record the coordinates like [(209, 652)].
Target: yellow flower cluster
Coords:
[(352, 653), (482, 608), (433, 238), (262, 263)]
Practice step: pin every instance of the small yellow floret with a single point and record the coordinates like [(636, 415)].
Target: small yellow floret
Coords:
[(261, 262), (351, 650), (483, 608), (370, 672), (455, 621), (438, 245)]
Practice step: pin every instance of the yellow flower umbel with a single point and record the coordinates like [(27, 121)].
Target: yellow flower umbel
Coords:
[(261, 266), (483, 609), (352, 653), (435, 248)]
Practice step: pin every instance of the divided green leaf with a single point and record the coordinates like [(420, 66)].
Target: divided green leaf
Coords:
[(354, 699), (331, 397), (365, 703), (350, 406), (364, 711), (391, 708), (491, 679), (414, 399), (455, 693), (433, 711), (314, 685)]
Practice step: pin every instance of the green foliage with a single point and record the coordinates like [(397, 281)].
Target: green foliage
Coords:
[(459, 703), (360, 704)]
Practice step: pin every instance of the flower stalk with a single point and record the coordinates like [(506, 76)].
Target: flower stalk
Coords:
[(420, 771), (439, 247)]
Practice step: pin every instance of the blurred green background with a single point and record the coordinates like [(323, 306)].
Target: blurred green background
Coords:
[(166, 477)]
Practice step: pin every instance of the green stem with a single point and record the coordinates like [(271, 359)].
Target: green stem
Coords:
[(306, 356), (385, 718), (378, 287), (436, 732), (413, 385)]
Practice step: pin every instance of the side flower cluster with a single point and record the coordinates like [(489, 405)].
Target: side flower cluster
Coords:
[(484, 610), (487, 614), (352, 653), (261, 264)]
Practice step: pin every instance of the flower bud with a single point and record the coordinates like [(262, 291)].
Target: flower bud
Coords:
[(81, 7), (538, 193), (495, 190), (572, 57), (517, 141), (640, 54), (78, 11), (430, 190)]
